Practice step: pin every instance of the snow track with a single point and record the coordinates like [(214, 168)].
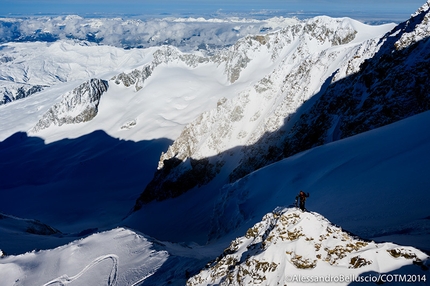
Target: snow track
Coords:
[(94, 260), (113, 276)]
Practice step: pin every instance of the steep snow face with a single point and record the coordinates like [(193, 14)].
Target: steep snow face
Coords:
[(116, 257), (292, 247), (390, 86), (294, 64), (365, 183)]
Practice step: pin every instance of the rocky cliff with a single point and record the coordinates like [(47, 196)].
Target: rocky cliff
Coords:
[(77, 106)]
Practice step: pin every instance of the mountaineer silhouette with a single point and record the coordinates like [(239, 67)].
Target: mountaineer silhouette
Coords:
[(301, 197)]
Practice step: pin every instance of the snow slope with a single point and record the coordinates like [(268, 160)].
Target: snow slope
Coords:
[(373, 184), (115, 257)]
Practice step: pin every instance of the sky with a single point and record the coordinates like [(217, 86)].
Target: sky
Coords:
[(195, 7)]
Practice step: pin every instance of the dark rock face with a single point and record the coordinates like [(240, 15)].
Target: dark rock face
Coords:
[(166, 184), (21, 92)]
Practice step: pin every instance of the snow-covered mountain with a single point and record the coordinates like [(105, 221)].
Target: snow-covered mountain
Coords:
[(293, 247), (216, 138), (296, 62), (26, 69), (353, 88)]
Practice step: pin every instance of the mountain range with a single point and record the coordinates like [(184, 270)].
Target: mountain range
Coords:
[(191, 157)]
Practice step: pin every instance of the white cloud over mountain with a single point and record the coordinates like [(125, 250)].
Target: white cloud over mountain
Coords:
[(188, 33)]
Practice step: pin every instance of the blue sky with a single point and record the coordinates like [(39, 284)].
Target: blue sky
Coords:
[(190, 7)]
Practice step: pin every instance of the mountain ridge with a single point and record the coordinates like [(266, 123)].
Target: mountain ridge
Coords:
[(322, 123)]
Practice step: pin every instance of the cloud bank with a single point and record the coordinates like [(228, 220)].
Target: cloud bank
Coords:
[(185, 33)]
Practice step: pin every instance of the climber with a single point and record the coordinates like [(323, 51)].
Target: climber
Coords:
[(302, 196)]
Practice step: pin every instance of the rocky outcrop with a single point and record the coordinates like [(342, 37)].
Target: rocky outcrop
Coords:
[(79, 105), (16, 91), (163, 55), (274, 250)]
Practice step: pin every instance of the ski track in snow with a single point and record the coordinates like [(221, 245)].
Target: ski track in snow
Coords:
[(143, 279), (113, 276)]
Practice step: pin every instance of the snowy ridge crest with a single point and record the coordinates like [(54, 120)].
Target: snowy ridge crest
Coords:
[(424, 8), (163, 55), (290, 242), (420, 31), (79, 105)]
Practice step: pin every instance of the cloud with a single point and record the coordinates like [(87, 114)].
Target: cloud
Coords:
[(217, 30), (185, 33)]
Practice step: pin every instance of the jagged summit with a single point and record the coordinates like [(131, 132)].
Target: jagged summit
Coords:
[(289, 245)]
